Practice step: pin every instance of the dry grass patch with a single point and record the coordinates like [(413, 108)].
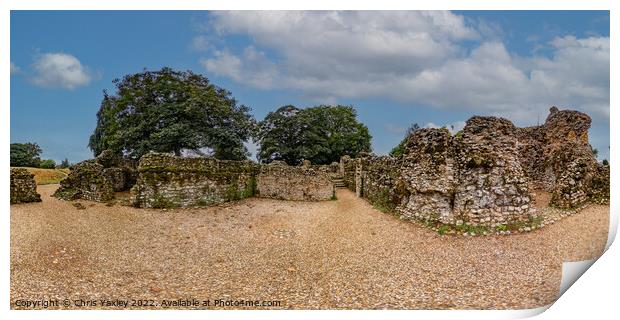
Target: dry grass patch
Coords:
[(48, 176)]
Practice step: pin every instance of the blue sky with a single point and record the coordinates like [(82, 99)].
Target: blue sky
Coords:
[(396, 68)]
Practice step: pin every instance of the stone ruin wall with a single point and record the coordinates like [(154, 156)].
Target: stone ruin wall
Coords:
[(491, 185), (599, 185), (558, 158), (167, 181), (472, 178), (23, 186), (97, 179), (485, 174), (377, 178), (347, 171), (278, 180)]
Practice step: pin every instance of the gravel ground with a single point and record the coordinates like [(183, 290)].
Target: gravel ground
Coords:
[(339, 254)]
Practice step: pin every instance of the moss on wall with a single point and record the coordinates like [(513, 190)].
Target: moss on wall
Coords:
[(166, 181)]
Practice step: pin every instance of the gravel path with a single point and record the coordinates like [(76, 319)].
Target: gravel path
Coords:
[(321, 255)]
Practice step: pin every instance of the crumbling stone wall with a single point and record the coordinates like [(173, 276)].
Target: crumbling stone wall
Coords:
[(86, 181), (428, 176), (117, 177), (347, 171), (23, 186), (483, 175), (377, 179), (306, 182), (492, 186), (166, 181), (97, 179), (559, 159), (474, 177), (599, 186), (374, 178)]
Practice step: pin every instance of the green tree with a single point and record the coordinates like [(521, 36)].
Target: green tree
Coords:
[(48, 164), (25, 155), (594, 151), (320, 134), (64, 164), (399, 150), (171, 111)]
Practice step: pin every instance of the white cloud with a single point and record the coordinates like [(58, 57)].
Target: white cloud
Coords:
[(316, 44), (15, 69), (60, 70), (414, 57), (200, 43), (251, 68)]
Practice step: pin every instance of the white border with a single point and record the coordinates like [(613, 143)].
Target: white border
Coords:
[(593, 295)]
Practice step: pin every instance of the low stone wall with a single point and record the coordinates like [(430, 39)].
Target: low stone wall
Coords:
[(347, 171), (166, 181), (377, 179), (23, 186), (86, 181), (97, 179), (306, 182)]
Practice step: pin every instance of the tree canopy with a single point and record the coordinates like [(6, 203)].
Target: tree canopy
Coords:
[(25, 155), (320, 134), (48, 164), (171, 111), (64, 164)]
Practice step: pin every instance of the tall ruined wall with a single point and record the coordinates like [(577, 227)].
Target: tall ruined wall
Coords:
[(166, 181), (306, 182), (558, 158), (483, 175), (474, 177), (23, 186), (492, 185), (428, 175)]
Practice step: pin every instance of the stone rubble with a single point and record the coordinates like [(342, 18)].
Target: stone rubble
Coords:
[(97, 179), (23, 186)]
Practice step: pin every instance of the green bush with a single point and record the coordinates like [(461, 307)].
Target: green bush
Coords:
[(48, 164)]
